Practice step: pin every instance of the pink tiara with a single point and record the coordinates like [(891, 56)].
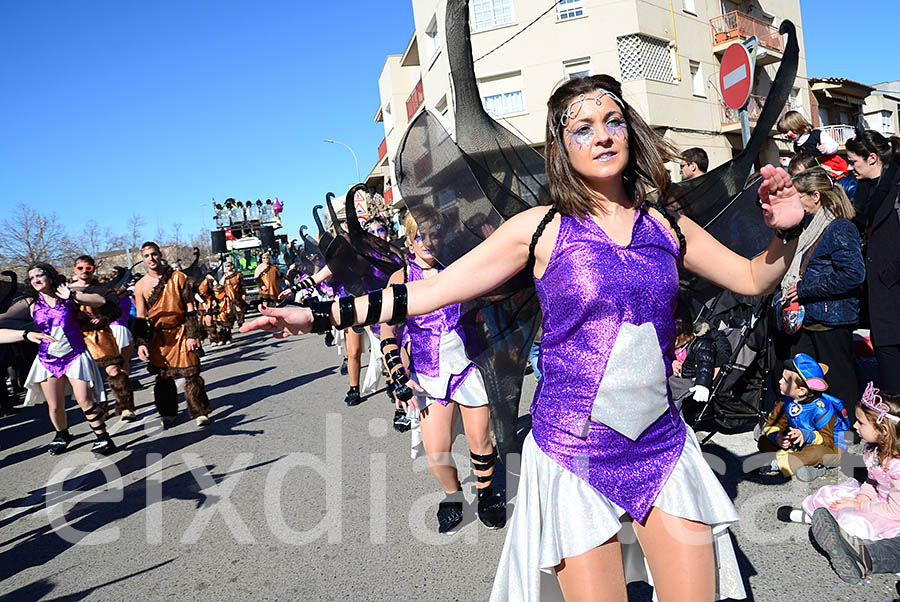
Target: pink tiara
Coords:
[(872, 400)]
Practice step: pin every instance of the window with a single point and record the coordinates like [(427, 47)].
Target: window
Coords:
[(569, 9), (577, 68), (823, 117), (844, 117), (698, 86), (688, 6), (432, 39), (388, 118), (442, 110), (643, 57), (502, 94), (487, 14), (886, 125), (794, 100)]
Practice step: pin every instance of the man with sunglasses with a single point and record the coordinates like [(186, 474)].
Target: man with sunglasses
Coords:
[(100, 340)]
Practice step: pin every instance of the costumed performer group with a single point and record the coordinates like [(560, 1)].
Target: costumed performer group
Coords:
[(607, 443)]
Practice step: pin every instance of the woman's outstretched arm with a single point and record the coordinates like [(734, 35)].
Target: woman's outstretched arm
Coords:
[(500, 257), (710, 259)]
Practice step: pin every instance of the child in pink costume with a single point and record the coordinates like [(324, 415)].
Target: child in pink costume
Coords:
[(870, 510)]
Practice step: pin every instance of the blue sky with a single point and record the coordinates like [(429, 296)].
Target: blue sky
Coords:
[(111, 108)]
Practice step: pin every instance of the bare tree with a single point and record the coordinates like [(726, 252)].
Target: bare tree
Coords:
[(30, 237), (135, 223), (92, 240), (176, 236)]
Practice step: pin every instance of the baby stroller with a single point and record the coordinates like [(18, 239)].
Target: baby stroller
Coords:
[(738, 392)]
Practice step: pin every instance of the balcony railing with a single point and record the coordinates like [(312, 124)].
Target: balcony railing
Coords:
[(415, 100), (737, 25), (840, 133), (382, 149), (754, 108)]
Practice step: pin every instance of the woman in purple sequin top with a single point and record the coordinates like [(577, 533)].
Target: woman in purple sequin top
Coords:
[(606, 441), (445, 379), (54, 307)]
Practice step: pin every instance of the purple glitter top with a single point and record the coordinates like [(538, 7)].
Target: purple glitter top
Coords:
[(592, 286), (125, 304), (59, 322), (425, 333)]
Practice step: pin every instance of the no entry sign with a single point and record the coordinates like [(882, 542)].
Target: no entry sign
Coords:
[(736, 76)]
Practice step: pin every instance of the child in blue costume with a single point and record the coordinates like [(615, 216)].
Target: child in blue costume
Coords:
[(806, 428)]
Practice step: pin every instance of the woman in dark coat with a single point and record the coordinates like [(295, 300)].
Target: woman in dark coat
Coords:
[(829, 286), (875, 161)]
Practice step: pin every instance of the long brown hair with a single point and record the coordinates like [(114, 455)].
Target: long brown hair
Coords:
[(888, 445), (831, 194), (648, 151)]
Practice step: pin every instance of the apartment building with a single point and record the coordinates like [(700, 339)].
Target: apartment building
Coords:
[(666, 53), (882, 108)]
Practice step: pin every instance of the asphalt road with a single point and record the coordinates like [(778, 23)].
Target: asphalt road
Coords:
[(291, 495)]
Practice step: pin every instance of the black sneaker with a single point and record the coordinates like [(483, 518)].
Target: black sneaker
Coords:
[(329, 339), (401, 421), (353, 398), (491, 508), (103, 446), (449, 515), (60, 443), (847, 554), (344, 367)]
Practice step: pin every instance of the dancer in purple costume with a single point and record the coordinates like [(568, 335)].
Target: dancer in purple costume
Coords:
[(606, 441), (54, 307), (444, 379)]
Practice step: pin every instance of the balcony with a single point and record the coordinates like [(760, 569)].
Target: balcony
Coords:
[(389, 195), (731, 120), (840, 133), (382, 149), (737, 26), (415, 100)]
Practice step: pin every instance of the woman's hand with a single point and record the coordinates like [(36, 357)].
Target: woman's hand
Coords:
[(791, 295), (144, 353), (780, 201), (64, 292), (282, 321), (285, 294), (37, 337)]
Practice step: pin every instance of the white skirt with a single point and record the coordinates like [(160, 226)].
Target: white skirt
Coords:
[(558, 515), (471, 393), (123, 336), (82, 368)]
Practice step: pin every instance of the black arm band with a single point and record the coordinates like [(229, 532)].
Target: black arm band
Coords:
[(398, 315), (388, 341), (392, 360), (192, 328), (142, 332), (373, 314), (321, 311), (348, 315), (787, 236), (402, 391), (307, 282)]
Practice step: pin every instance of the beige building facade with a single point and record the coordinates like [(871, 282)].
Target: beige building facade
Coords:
[(666, 53)]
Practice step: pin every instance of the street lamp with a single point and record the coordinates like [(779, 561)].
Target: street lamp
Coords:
[(351, 152)]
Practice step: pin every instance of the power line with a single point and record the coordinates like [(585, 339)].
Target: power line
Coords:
[(552, 6)]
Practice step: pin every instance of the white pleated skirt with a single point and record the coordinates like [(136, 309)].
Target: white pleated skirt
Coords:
[(558, 515), (82, 368), (123, 336)]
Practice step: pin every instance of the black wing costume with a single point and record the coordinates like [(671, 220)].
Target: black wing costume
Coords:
[(488, 175)]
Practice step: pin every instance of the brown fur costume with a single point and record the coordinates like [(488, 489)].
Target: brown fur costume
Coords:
[(170, 327)]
